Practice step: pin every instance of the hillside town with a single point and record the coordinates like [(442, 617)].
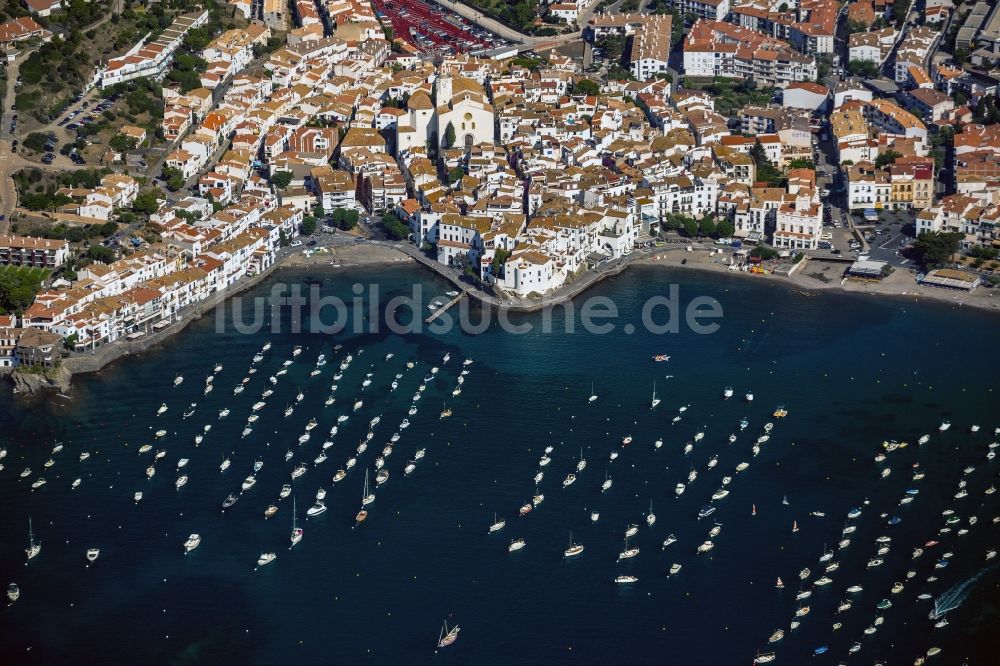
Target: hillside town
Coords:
[(863, 134)]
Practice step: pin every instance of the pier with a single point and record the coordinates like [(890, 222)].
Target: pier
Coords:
[(441, 310)]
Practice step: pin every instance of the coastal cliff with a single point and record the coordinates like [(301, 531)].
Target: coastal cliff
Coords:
[(30, 381)]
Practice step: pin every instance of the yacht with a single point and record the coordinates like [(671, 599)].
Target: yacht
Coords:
[(316, 509), (655, 401), (607, 482), (192, 542), (35, 547), (582, 464), (266, 558), (632, 530), (626, 579), (448, 636), (650, 517), (593, 396), (628, 553), (93, 553), (574, 548), (497, 525)]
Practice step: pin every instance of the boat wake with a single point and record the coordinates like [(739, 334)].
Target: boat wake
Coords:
[(955, 596)]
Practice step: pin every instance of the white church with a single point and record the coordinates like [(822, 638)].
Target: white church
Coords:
[(461, 102)]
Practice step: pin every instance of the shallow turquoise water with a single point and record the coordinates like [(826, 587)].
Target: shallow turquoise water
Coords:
[(852, 370)]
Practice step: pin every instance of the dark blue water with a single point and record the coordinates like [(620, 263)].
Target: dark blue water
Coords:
[(852, 371)]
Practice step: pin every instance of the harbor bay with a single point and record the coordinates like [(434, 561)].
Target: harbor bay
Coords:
[(859, 379)]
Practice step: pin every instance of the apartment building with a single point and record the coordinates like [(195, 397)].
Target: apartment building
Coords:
[(32, 251), (150, 59), (713, 48)]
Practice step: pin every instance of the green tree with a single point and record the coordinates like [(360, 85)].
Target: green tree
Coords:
[(121, 143), (725, 229), (449, 136), (146, 203), (281, 179), (691, 227), (35, 141), (500, 258), (707, 227), (100, 253), (933, 249), (345, 219), (886, 158), (308, 226), (394, 226), (586, 87), (456, 174)]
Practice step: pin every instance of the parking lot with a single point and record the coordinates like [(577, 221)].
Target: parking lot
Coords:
[(429, 26)]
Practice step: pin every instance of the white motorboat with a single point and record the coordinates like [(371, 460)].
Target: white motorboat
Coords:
[(316, 509), (225, 465), (727, 393), (944, 426), (93, 554), (181, 482), (192, 542), (138, 496), (749, 396), (266, 558), (162, 409), (515, 545), (569, 480), (249, 482), (679, 489)]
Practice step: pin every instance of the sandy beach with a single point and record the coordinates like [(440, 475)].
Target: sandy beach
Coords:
[(819, 276)]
